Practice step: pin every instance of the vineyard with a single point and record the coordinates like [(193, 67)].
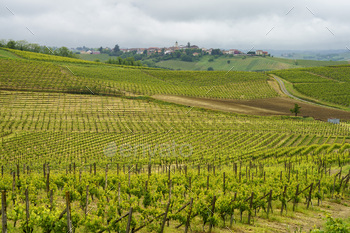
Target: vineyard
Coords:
[(330, 84), (104, 157), (219, 84)]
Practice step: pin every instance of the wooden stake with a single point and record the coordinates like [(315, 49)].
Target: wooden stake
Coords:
[(3, 212), (69, 222), (189, 216)]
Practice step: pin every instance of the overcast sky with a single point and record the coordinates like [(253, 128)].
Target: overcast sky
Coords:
[(242, 24)]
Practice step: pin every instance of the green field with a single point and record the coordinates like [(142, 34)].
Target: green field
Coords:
[(244, 63), (94, 57), (328, 84), (89, 136), (240, 63)]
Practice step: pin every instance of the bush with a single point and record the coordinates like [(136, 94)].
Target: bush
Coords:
[(334, 226), (210, 69)]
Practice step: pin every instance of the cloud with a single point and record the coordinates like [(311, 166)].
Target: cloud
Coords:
[(218, 24)]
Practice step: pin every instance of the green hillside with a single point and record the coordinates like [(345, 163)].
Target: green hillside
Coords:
[(83, 144), (329, 85), (244, 63), (240, 63)]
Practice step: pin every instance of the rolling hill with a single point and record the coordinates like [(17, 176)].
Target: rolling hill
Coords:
[(88, 144)]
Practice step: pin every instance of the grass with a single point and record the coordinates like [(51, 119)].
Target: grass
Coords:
[(94, 57), (7, 54), (244, 63)]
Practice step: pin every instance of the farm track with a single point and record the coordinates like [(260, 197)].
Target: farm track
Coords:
[(286, 92), (262, 107)]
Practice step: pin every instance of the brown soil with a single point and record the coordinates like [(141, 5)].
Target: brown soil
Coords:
[(263, 107)]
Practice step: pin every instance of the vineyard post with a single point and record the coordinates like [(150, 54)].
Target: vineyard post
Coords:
[(119, 194), (296, 197), (309, 198), (224, 183), (289, 174), (69, 222), (170, 184), (165, 218), (281, 176), (233, 210), (3, 212), (48, 183), (189, 216), (335, 178), (207, 182), (44, 170), (51, 199), (94, 169), (106, 176), (284, 202), (250, 207), (87, 200), (297, 175), (129, 184), (27, 207), (212, 212), (169, 172), (246, 172), (319, 192), (269, 205), (129, 220), (199, 169), (13, 182), (17, 171), (2, 171), (306, 176)]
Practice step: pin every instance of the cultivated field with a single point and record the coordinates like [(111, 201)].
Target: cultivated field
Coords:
[(85, 148)]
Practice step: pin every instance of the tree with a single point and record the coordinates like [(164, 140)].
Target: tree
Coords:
[(210, 69), (216, 52), (188, 45), (64, 52), (11, 44), (296, 109), (116, 48)]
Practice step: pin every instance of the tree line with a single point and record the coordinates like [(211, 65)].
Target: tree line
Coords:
[(36, 48)]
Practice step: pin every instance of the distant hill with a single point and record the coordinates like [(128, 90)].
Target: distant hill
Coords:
[(240, 63), (244, 63)]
